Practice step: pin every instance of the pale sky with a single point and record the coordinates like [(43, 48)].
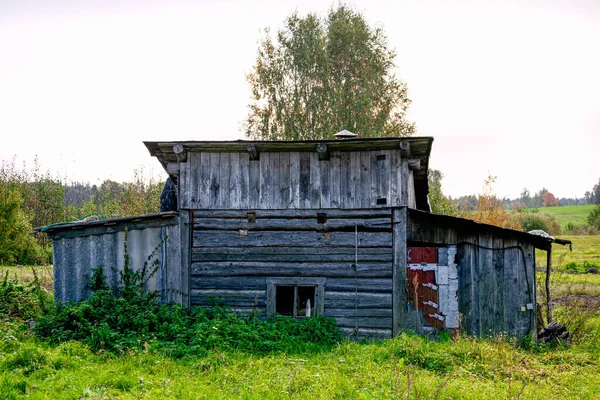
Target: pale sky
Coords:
[(504, 87)]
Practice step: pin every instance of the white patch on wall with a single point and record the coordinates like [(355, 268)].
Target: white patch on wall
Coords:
[(447, 279)]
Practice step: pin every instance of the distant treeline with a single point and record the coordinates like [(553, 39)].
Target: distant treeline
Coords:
[(32, 198), (542, 198)]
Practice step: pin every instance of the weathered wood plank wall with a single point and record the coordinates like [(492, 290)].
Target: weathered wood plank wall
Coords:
[(233, 258), (295, 180), (496, 275)]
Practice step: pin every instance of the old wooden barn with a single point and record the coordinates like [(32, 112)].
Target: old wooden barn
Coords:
[(340, 228)]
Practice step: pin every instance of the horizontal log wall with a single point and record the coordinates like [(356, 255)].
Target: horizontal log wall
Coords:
[(494, 285), (294, 180), (233, 258)]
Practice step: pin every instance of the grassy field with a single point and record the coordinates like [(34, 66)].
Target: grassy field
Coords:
[(577, 215), (585, 248)]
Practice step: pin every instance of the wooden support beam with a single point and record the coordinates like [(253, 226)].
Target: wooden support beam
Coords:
[(323, 152), (405, 148), (414, 164), (173, 168), (253, 152), (548, 294)]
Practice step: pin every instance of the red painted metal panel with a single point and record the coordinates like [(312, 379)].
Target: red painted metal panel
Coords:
[(415, 255), (430, 255), (422, 285)]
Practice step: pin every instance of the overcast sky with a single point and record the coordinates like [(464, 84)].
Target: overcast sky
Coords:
[(504, 88)]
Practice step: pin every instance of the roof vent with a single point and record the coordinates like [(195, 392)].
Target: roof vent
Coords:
[(345, 135)]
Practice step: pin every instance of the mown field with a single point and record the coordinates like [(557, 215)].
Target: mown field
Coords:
[(577, 215), (407, 367)]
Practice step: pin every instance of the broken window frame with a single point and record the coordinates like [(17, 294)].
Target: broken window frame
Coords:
[(318, 283)]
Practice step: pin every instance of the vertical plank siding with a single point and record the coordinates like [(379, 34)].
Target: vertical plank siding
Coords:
[(231, 265), (496, 275), (77, 253), (296, 180)]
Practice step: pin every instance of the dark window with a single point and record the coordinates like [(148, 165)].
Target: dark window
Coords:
[(295, 296), (295, 301)]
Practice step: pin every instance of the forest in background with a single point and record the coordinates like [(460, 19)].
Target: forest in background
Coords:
[(33, 198)]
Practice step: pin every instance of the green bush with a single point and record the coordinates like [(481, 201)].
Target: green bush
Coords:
[(537, 220), (129, 318), (593, 218), (22, 301)]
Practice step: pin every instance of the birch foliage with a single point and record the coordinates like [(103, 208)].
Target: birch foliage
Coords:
[(318, 76)]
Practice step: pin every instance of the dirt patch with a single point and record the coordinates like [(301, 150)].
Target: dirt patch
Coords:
[(580, 301)]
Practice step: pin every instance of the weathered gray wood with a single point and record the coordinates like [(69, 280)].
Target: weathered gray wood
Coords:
[(467, 258), (511, 275), (215, 182), (315, 181), (334, 181), (244, 190), (304, 181), (346, 199), (527, 324), (291, 214), (229, 283), (254, 184), (224, 180), (354, 200), (365, 300), (486, 290), (183, 187), (361, 312), (548, 292), (284, 183), (275, 182), (292, 224), (364, 322), (280, 254), (294, 201), (185, 219), (367, 333), (399, 270), (201, 184), (256, 268), (395, 179), (404, 182), (497, 282), (289, 238), (360, 285), (235, 184), (266, 181), (325, 184), (364, 190), (238, 294), (83, 231)]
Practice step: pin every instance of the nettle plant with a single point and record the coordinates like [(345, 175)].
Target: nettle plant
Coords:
[(128, 317)]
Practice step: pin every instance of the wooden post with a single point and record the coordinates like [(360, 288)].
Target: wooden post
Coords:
[(548, 294), (399, 218)]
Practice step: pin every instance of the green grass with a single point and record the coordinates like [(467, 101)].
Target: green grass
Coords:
[(577, 215), (585, 248), (466, 369)]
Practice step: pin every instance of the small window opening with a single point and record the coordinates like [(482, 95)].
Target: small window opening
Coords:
[(321, 218), (295, 301)]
